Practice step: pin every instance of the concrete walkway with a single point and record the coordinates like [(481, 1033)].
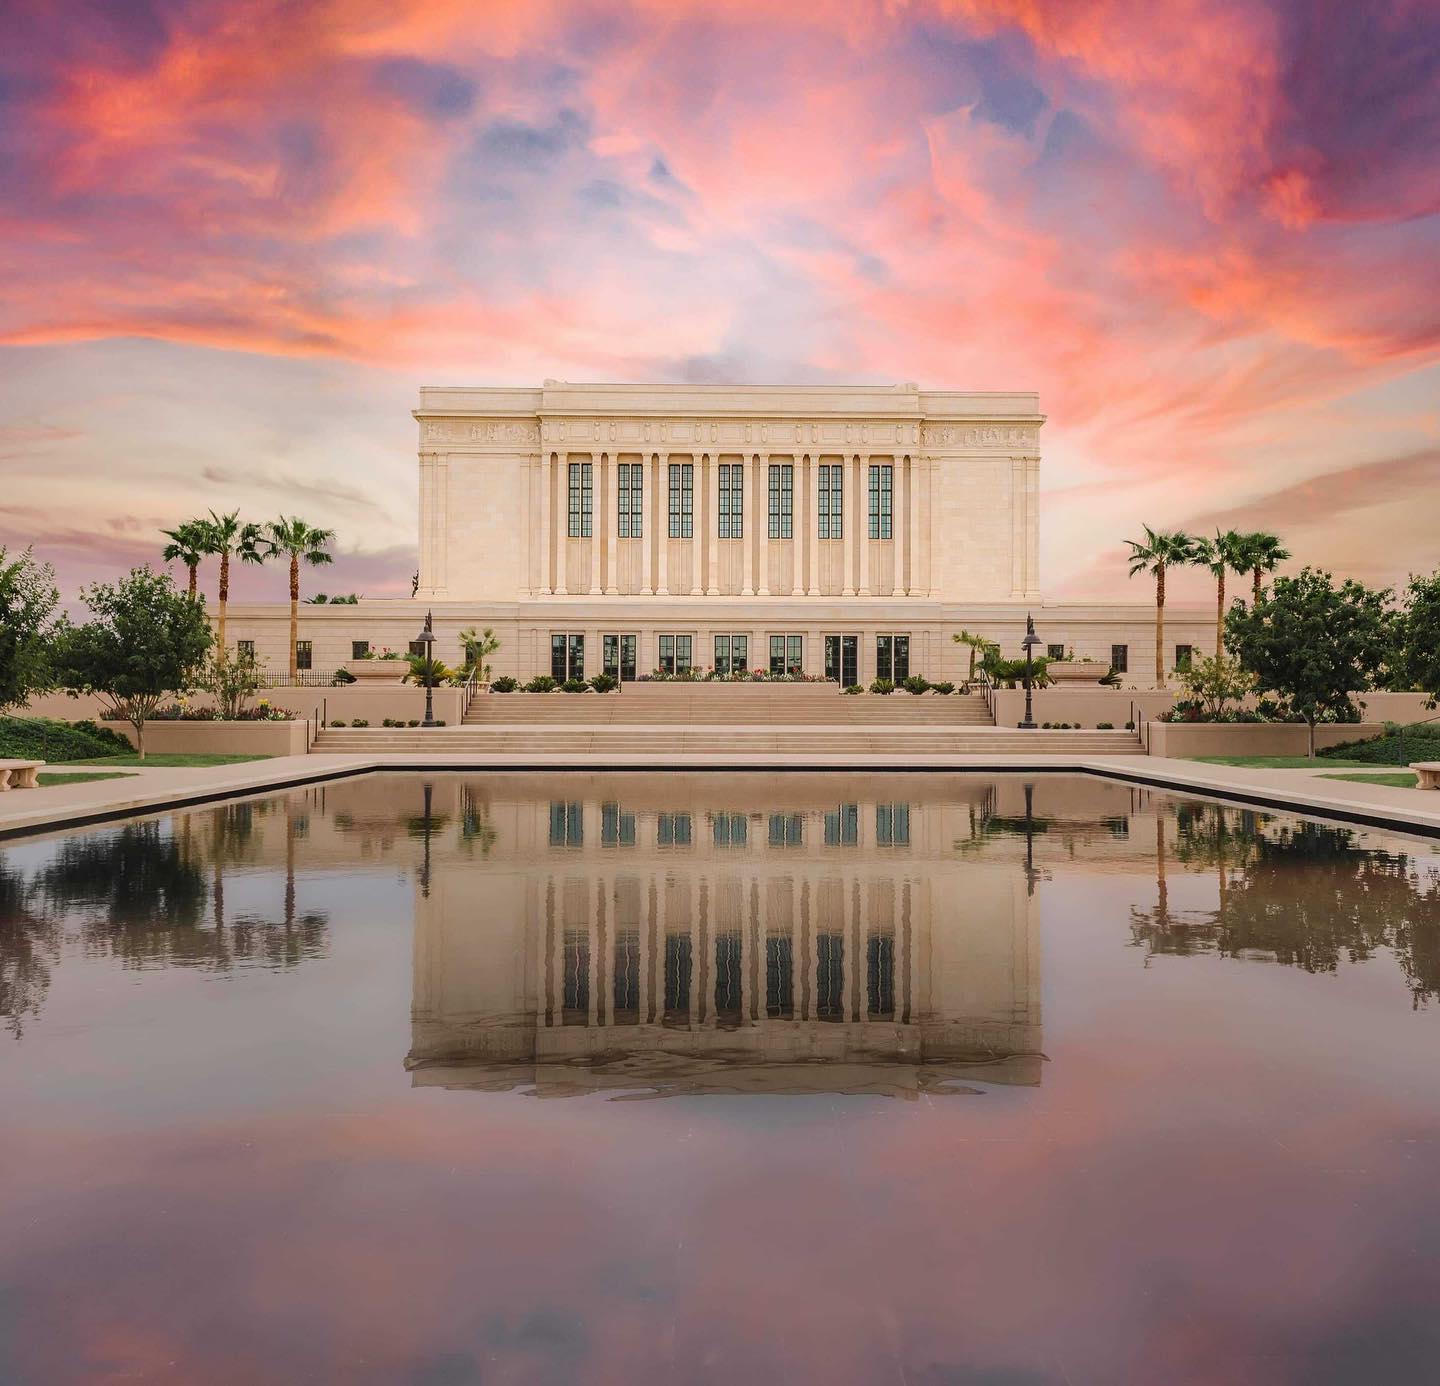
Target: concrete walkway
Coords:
[(148, 791)]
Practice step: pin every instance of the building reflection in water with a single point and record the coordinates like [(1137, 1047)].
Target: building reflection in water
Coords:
[(659, 936)]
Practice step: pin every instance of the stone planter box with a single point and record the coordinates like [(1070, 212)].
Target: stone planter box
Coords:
[(371, 671), (1064, 671), (221, 738)]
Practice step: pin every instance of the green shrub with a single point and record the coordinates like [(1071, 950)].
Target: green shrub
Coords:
[(574, 686), (360, 722), (945, 688), (1421, 741), (1104, 726), (413, 722), (915, 684), (337, 723), (882, 686), (604, 683), (47, 738), (541, 683), (1129, 726), (342, 676), (504, 684), (854, 688)]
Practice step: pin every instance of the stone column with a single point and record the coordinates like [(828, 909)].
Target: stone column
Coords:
[(647, 530), (698, 526), (546, 501), (560, 492), (812, 525), (612, 525), (712, 529), (865, 462), (918, 517), (597, 521), (762, 536), (752, 528), (850, 526), (900, 522), (662, 523)]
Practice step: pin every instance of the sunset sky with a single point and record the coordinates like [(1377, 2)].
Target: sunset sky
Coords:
[(236, 237)]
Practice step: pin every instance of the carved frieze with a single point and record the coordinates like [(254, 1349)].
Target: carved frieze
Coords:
[(979, 435)]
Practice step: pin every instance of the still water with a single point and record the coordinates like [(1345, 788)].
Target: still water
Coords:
[(794, 1078)]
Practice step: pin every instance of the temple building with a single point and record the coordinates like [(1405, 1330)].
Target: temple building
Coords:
[(836, 531)]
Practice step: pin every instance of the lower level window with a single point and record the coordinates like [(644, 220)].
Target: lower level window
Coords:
[(676, 654), (787, 654), (359, 649), (303, 653), (618, 656), (245, 649), (567, 655), (732, 654), (892, 657), (1183, 655), (1120, 658), (1054, 651)]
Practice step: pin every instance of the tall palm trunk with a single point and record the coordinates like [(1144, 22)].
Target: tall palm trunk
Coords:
[(194, 578), (224, 598), (294, 615), (1256, 596), (1220, 615), (1160, 626)]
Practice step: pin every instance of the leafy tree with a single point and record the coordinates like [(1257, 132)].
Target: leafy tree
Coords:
[(478, 648), (232, 682), (224, 536), (1263, 554), (189, 544), (1419, 637), (297, 541), (28, 597), (1213, 684), (1225, 553), (1156, 553), (145, 641), (1314, 644)]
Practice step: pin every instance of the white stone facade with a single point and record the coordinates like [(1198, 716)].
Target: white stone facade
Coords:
[(660, 514)]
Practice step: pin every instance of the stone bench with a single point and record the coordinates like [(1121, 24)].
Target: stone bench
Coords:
[(19, 774), (1429, 773)]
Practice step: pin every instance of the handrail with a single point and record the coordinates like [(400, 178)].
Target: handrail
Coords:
[(472, 685)]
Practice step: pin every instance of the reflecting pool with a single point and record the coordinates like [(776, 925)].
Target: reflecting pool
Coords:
[(926, 1079)]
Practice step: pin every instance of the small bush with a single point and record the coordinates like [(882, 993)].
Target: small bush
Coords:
[(854, 688), (337, 723), (1129, 726), (541, 683), (504, 684), (604, 683), (1046, 726), (915, 684), (574, 686), (945, 689), (882, 686), (45, 738), (359, 722), (439, 721), (1104, 726), (413, 722), (342, 676)]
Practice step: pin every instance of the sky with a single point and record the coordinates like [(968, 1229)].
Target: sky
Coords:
[(237, 236)]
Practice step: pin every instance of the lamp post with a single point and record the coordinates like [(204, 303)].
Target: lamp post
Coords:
[(1029, 643), (426, 641)]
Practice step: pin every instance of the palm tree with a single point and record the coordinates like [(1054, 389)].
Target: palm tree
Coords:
[(225, 535), (1156, 553), (1263, 554), (977, 644), (297, 540), (188, 546), (478, 648), (1225, 553)]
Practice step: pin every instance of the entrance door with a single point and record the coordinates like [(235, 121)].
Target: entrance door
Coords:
[(842, 659), (618, 657)]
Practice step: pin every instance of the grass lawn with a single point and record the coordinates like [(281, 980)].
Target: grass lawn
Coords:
[(165, 762), (1399, 778), (46, 777), (1282, 762)]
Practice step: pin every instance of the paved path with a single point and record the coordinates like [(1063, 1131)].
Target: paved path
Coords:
[(146, 790)]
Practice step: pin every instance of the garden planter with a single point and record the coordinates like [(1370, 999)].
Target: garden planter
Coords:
[(1064, 671), (377, 671)]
